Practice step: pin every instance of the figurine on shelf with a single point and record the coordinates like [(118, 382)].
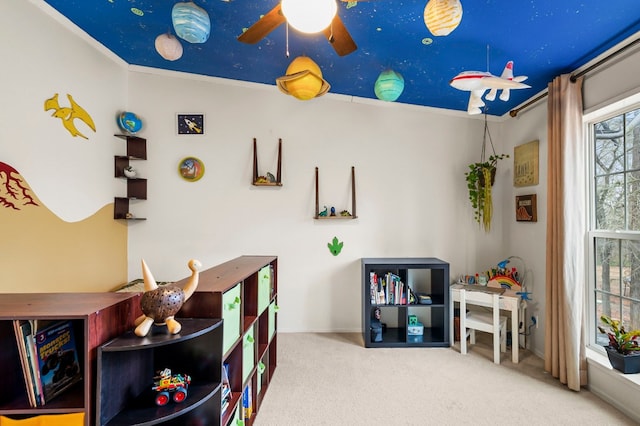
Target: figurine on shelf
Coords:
[(160, 304), (333, 211), (130, 172), (323, 213), (376, 325), (271, 178), (165, 382), (345, 213), (262, 179), (129, 215)]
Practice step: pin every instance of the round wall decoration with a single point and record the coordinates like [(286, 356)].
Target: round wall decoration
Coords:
[(191, 169)]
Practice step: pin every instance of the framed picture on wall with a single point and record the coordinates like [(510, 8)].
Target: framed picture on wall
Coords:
[(526, 208), (525, 164), (190, 124)]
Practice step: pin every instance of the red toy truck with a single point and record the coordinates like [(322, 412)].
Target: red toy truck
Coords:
[(165, 383)]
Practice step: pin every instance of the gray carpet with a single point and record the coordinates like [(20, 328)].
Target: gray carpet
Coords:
[(331, 379)]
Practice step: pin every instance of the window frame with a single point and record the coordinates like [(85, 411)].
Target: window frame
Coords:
[(590, 119)]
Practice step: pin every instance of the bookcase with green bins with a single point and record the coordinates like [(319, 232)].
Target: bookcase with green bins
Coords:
[(243, 292), (405, 302)]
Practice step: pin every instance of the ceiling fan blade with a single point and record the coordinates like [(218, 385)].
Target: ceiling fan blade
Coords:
[(269, 22), (339, 37)]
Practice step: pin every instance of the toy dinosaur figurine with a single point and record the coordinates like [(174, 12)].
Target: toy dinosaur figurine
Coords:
[(160, 304)]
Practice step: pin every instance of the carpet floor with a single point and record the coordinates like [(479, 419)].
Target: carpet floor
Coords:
[(332, 379)]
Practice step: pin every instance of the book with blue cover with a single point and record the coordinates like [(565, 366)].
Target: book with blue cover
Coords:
[(57, 355)]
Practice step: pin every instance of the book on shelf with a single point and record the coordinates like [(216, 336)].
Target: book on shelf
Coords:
[(247, 402), (22, 329), (25, 331), (57, 356), (226, 387)]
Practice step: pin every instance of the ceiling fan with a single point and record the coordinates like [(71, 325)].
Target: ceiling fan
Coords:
[(336, 33)]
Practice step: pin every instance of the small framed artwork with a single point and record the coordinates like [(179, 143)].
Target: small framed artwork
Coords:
[(191, 169), (190, 124), (525, 164), (526, 208)]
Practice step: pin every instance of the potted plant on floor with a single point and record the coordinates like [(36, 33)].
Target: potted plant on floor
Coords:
[(480, 179), (623, 349)]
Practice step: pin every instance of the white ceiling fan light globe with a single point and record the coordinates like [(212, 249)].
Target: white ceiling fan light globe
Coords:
[(309, 16)]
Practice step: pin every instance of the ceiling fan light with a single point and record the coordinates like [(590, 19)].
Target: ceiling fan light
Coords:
[(442, 16), (169, 47), (309, 16)]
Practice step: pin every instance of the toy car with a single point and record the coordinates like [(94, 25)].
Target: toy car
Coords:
[(166, 383)]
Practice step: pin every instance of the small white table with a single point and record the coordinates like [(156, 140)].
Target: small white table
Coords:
[(509, 301)]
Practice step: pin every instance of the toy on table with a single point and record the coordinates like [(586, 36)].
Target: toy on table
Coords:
[(165, 383)]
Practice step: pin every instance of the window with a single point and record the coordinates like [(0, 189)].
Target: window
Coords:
[(614, 237)]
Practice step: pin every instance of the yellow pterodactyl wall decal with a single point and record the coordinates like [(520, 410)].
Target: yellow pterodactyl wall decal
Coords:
[(68, 114)]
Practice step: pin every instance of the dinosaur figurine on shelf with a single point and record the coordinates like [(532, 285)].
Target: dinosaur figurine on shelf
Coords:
[(160, 304)]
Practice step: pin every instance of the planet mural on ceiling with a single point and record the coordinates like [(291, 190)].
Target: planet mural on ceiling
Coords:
[(191, 22), (389, 85), (303, 80)]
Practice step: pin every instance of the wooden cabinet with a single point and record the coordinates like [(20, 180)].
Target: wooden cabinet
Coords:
[(136, 186), (391, 287), (96, 318), (243, 291), (127, 365)]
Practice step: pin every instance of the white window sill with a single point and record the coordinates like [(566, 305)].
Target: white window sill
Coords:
[(601, 360)]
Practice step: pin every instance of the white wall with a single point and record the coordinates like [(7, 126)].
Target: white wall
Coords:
[(411, 194), (69, 175), (615, 80)]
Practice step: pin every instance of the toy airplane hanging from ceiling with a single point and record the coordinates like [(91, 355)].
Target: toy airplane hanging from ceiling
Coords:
[(478, 82)]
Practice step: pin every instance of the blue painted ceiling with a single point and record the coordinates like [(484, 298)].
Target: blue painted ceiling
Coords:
[(544, 38)]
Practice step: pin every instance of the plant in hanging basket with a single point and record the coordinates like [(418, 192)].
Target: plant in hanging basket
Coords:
[(623, 349), (479, 192)]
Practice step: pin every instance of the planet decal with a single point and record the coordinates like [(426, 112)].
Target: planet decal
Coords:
[(303, 80), (129, 122), (191, 22), (389, 85)]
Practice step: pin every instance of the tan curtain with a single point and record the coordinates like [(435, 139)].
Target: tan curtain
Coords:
[(566, 225)]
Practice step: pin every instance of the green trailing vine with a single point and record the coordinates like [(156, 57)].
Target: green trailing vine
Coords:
[(480, 178)]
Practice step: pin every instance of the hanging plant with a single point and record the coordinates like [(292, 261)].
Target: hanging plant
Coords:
[(480, 179)]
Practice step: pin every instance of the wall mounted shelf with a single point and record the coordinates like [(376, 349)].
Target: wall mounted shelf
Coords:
[(338, 215), (258, 182), (136, 186)]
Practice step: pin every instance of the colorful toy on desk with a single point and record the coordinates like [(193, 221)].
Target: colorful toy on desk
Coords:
[(504, 282), (524, 295)]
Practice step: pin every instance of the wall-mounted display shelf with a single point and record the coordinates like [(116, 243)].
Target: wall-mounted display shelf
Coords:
[(338, 215), (262, 180), (95, 317), (136, 186), (390, 317)]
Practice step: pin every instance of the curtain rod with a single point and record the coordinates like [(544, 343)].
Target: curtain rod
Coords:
[(574, 77)]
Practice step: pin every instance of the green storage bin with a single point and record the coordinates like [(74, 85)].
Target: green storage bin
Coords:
[(231, 313), (273, 308), (248, 354), (264, 288)]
